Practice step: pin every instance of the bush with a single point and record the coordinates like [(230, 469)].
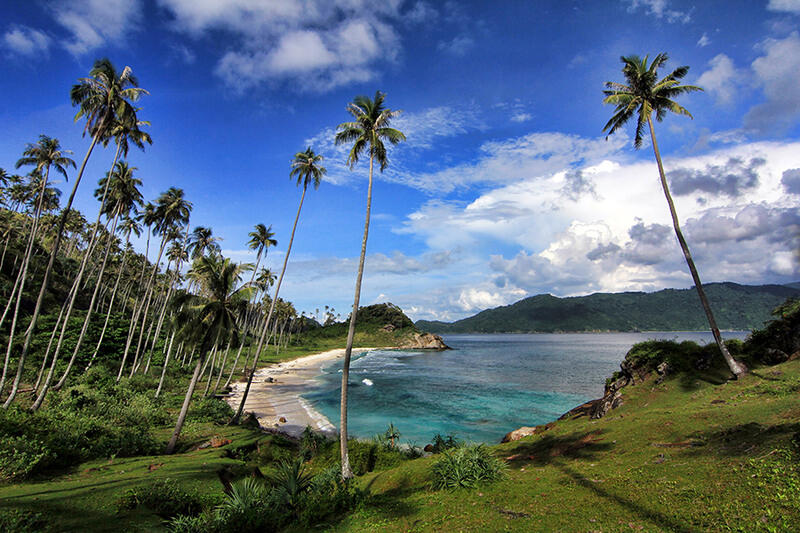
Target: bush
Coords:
[(20, 457), (466, 467), (249, 507), (211, 410), (329, 496), (20, 521), (165, 498), (441, 444)]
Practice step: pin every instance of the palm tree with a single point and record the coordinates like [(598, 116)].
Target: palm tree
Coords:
[(367, 132), (644, 95), (307, 169), (43, 155), (202, 239), (211, 315), (102, 98), (171, 213)]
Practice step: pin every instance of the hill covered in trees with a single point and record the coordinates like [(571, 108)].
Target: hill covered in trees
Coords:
[(738, 307)]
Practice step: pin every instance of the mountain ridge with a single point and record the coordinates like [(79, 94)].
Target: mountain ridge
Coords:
[(735, 306)]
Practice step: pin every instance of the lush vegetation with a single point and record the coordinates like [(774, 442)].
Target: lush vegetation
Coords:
[(737, 307)]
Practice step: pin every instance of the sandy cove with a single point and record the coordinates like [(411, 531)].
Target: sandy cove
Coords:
[(270, 401)]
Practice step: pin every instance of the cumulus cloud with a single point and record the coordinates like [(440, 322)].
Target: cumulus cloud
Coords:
[(731, 178), (318, 45), (791, 180), (93, 23), (26, 41), (722, 79), (659, 9), (777, 72), (786, 6)]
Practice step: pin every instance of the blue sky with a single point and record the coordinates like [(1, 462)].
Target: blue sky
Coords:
[(506, 186)]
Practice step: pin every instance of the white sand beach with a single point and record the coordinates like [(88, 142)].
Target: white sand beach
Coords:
[(271, 401)]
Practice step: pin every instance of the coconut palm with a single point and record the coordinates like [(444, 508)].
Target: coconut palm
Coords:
[(367, 132), (211, 315), (42, 155), (643, 95), (101, 98), (202, 239), (307, 169)]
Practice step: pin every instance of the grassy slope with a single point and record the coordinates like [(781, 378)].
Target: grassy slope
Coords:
[(680, 456), (647, 466)]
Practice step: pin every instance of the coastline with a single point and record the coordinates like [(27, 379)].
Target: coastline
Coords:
[(280, 398)]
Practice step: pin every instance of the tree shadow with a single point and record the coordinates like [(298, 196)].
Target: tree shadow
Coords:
[(692, 380), (662, 520), (743, 439), (391, 503), (548, 448)]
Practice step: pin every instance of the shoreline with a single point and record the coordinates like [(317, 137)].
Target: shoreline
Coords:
[(282, 397)]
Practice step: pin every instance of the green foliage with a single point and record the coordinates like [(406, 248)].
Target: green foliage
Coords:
[(290, 482), (210, 409), (441, 444), (165, 497), (735, 306), (466, 467), (20, 457), (249, 507), (22, 521), (311, 443), (329, 497)]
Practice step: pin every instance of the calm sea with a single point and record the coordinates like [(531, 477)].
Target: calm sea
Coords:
[(485, 387)]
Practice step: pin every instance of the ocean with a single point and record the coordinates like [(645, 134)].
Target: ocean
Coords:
[(485, 387)]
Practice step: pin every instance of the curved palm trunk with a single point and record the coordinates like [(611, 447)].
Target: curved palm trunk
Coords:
[(347, 472), (265, 329), (738, 368), (89, 251), (111, 303), (22, 275), (88, 317), (166, 363), (184, 408)]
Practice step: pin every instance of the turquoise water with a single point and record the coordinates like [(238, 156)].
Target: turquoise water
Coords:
[(485, 387)]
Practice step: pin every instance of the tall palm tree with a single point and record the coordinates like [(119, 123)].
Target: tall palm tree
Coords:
[(202, 239), (642, 95), (367, 132), (171, 212), (42, 155), (307, 169), (210, 315), (101, 98)]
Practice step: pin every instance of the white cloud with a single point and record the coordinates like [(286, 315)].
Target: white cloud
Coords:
[(26, 41), (778, 74), (315, 44), (421, 12), (703, 40), (521, 117), (93, 23), (458, 46), (788, 6), (722, 79), (659, 9)]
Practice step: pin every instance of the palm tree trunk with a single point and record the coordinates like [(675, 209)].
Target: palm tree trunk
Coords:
[(45, 281), (265, 329), (347, 472), (738, 368), (222, 366), (88, 317), (89, 251), (166, 362), (111, 304), (184, 408)]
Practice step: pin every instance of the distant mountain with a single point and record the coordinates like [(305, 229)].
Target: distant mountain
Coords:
[(740, 307)]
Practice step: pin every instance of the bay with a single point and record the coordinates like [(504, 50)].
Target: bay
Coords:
[(488, 385)]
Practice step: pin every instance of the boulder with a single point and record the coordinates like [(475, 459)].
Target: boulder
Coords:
[(424, 341), (524, 431)]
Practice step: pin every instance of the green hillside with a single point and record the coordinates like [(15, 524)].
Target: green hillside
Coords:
[(738, 307)]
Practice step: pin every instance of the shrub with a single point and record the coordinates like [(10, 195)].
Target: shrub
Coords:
[(466, 466), (20, 457), (22, 521), (249, 507), (164, 497), (211, 410), (441, 444), (329, 496), (311, 443)]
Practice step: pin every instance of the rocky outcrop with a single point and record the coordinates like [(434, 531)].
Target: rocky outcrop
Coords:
[(424, 341), (525, 431)]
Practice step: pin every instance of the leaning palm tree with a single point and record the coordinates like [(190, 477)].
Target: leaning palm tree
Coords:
[(367, 133), (202, 239), (210, 316), (105, 96), (642, 95), (42, 155), (307, 169)]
